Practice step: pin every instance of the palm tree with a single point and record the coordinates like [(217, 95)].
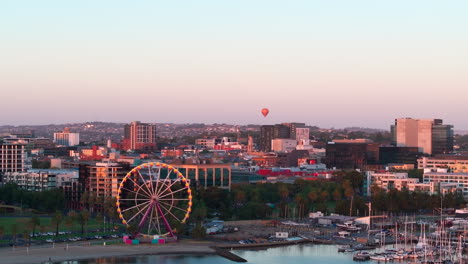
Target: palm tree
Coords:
[(300, 204), (283, 191)]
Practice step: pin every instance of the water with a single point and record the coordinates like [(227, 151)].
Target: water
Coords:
[(297, 254)]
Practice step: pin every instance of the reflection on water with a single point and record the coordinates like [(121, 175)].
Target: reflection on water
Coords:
[(297, 254)]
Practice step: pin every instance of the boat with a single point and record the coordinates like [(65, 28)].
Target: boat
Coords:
[(461, 213), (361, 256), (381, 257), (348, 226), (344, 234), (344, 248), (400, 256)]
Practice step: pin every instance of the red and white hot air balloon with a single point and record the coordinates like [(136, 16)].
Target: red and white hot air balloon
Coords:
[(265, 112)]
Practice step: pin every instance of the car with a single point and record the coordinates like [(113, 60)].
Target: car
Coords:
[(49, 240)]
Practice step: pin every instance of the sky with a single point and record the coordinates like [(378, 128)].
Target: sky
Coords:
[(330, 63)]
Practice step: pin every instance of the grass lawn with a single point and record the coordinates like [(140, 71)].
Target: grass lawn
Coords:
[(21, 224)]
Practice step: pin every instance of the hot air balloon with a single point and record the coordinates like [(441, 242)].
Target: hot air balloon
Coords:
[(265, 112)]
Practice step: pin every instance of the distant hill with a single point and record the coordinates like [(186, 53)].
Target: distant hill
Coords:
[(364, 129)]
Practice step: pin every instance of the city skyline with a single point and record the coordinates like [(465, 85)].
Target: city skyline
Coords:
[(326, 64)]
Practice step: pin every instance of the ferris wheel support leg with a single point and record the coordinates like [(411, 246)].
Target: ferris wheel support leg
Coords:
[(166, 223), (143, 219)]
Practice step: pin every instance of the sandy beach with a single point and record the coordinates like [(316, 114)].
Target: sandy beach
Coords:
[(78, 252)]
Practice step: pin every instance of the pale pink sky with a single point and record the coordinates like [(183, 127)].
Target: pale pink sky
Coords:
[(328, 64)]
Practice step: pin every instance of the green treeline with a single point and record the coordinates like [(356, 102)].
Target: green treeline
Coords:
[(45, 201)]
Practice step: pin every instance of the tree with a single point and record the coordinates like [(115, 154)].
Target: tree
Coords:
[(84, 199), (199, 231), (27, 236), (300, 201), (100, 218), (240, 198), (70, 219), (2, 232), (33, 223), (110, 209), (82, 219), (14, 232), (337, 195), (132, 229), (56, 220), (199, 211), (283, 191), (313, 196), (179, 228), (324, 196)]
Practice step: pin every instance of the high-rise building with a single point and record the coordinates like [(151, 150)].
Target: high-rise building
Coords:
[(104, 178), (429, 135), (270, 132), (293, 128), (351, 155), (302, 135), (139, 136), (283, 145), (12, 156), (66, 138)]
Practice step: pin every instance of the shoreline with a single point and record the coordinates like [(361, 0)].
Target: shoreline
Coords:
[(78, 252), (39, 255)]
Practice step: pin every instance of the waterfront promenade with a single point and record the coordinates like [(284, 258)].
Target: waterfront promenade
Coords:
[(79, 251)]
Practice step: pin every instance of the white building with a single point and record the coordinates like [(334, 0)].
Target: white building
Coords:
[(283, 145), (40, 180), (399, 181), (66, 138), (448, 180), (453, 163)]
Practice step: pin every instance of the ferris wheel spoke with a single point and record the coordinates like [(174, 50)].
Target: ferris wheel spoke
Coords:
[(163, 183), (173, 192), (138, 205), (168, 178), (130, 199), (139, 212), (158, 175), (168, 211), (140, 188), (151, 179), (144, 183), (155, 178), (169, 186), (173, 199), (173, 206), (142, 194)]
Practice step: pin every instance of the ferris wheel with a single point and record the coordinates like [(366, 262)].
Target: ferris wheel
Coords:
[(152, 197)]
